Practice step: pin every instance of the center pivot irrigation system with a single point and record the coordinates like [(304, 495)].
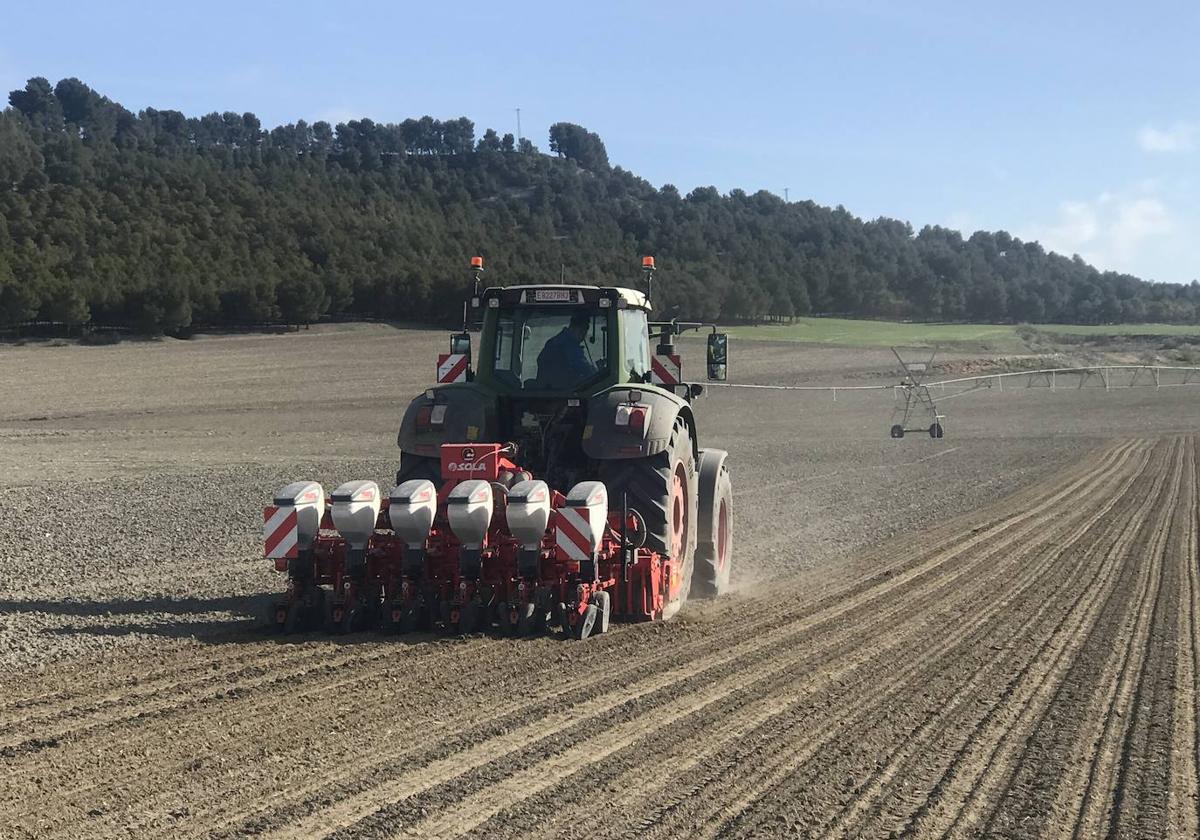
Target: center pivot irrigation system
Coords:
[(558, 483), (915, 397)]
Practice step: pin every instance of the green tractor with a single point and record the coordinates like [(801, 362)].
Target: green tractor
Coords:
[(581, 385)]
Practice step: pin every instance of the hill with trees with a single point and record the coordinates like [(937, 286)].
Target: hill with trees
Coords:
[(161, 221)]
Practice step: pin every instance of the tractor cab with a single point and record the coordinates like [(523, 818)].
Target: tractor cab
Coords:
[(560, 372), (563, 341), (545, 352)]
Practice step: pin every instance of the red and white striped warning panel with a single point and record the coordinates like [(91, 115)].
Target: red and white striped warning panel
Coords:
[(666, 370), (452, 367), (573, 533), (281, 534)]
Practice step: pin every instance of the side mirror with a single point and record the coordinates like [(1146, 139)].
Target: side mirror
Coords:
[(718, 356), (461, 343)]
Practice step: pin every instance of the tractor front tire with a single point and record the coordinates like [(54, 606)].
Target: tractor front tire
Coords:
[(714, 549), (663, 489)]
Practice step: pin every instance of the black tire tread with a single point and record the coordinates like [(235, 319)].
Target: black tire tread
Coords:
[(646, 483), (707, 582)]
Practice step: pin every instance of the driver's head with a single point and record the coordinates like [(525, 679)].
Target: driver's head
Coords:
[(580, 321)]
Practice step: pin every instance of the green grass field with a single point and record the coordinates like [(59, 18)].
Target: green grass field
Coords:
[(999, 337)]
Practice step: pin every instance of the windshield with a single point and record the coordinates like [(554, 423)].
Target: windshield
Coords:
[(550, 348)]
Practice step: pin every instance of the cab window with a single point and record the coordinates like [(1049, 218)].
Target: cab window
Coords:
[(636, 352), (550, 348)]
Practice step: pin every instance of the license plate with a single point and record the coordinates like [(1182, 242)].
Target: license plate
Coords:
[(552, 295)]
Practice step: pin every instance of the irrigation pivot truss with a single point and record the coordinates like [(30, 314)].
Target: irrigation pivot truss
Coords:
[(915, 397)]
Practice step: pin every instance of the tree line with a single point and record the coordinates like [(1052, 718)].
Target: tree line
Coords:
[(164, 222)]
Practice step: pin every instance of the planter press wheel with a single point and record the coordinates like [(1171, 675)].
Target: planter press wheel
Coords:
[(531, 619), (351, 615), (306, 612), (293, 622), (470, 617), (594, 619), (414, 616)]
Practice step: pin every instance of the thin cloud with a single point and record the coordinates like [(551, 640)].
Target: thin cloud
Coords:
[(1180, 137), (1077, 226), (1135, 222), (1112, 231), (340, 114)]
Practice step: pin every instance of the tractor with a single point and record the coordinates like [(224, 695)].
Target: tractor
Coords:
[(555, 478)]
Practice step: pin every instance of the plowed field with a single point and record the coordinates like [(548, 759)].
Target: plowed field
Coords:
[(991, 635)]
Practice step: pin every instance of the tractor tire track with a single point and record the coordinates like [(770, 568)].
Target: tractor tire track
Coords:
[(1183, 795), (1097, 690), (965, 791), (874, 802), (1034, 669), (945, 687), (476, 808), (398, 790), (333, 791), (644, 778), (828, 782), (140, 713)]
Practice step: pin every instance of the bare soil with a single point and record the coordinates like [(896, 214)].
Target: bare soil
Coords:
[(995, 633)]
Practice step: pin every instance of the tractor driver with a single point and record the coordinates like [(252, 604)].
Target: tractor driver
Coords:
[(563, 362)]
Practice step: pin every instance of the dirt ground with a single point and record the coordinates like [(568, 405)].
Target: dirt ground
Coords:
[(992, 634)]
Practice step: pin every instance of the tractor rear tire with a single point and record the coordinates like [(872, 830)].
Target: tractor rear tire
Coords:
[(714, 548), (419, 466), (663, 489), (897, 431)]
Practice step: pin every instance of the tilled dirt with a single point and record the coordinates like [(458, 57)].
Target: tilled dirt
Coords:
[(1016, 655)]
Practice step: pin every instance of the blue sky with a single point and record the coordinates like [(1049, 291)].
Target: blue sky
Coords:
[(1074, 123)]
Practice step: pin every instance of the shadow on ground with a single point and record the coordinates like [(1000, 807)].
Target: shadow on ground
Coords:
[(225, 620)]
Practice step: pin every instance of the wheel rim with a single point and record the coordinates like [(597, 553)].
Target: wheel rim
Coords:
[(723, 535), (679, 512)]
